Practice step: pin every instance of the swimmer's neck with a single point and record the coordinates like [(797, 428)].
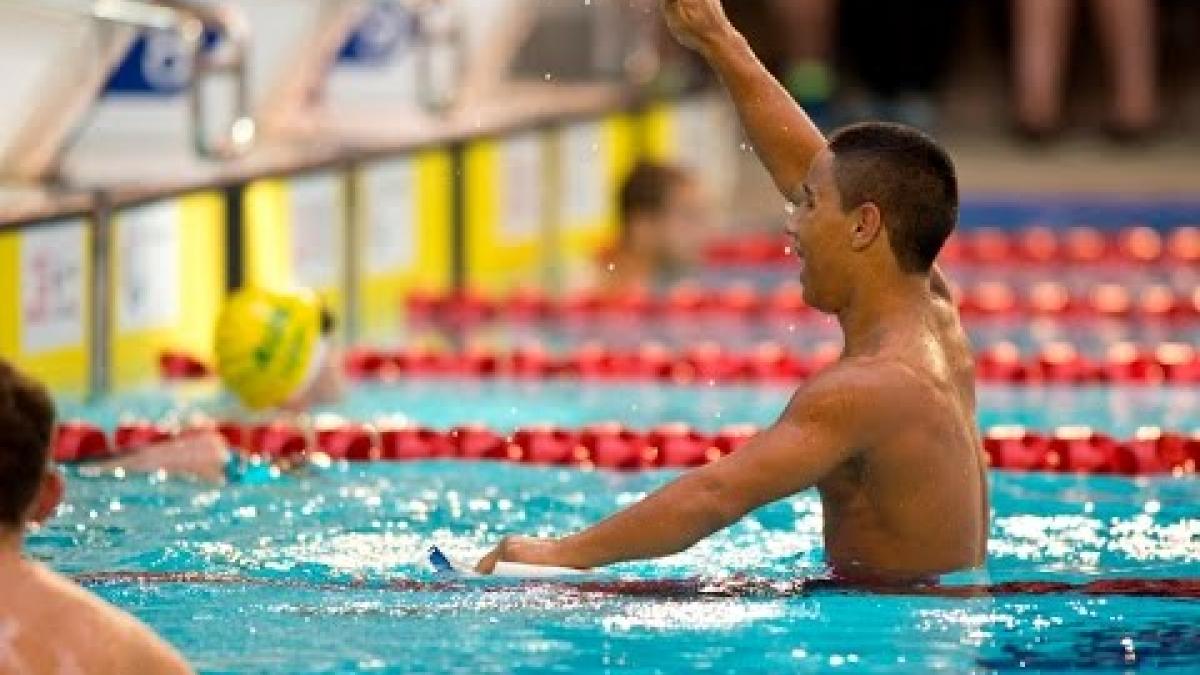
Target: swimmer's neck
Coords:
[(876, 311), (11, 545)]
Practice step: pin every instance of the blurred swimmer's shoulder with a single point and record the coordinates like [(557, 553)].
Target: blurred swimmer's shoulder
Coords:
[(89, 635)]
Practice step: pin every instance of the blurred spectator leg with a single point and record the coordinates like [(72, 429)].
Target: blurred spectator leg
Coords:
[(1129, 31), (1041, 34), (808, 28)]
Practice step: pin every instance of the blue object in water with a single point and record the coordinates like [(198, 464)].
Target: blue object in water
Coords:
[(441, 564)]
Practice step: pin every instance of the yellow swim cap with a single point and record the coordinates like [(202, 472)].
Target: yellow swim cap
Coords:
[(268, 344)]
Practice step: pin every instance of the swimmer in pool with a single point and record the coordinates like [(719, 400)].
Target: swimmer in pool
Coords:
[(887, 434), (47, 623), (274, 351), (663, 211)]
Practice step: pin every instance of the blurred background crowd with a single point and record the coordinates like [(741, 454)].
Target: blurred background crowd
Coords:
[(1040, 68)]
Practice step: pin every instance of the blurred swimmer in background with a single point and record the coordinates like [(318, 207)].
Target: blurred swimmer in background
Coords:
[(275, 351), (665, 214)]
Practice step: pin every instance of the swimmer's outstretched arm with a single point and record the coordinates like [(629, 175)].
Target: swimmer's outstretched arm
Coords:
[(784, 137), (821, 428)]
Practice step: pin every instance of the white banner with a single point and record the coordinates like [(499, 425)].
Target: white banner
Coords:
[(148, 293), (317, 224), (390, 230), (521, 167), (52, 287), (585, 189)]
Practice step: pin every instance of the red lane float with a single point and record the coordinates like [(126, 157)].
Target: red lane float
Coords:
[(133, 435), (353, 442), (612, 446), (80, 442), (741, 301), (1034, 245), (181, 366), (277, 440), (708, 362), (410, 443), (1083, 450)]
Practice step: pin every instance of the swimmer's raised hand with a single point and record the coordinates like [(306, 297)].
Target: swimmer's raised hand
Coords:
[(697, 24)]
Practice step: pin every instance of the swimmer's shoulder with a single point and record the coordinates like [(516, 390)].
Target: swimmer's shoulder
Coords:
[(876, 388), (106, 634)]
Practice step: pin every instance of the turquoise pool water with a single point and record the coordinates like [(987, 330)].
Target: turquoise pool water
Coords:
[(324, 571), (310, 574), (506, 404)]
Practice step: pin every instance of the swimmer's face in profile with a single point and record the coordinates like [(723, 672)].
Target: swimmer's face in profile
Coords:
[(821, 234)]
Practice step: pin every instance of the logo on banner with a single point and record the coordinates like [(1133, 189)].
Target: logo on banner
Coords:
[(148, 277), (52, 288), (158, 63), (379, 35)]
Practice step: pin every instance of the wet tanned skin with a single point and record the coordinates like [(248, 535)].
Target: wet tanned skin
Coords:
[(887, 434)]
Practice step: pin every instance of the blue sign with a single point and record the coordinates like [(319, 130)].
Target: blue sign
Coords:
[(158, 64), (384, 29)]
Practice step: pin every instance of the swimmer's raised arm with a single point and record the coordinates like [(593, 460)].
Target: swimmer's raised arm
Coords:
[(821, 428), (784, 137)]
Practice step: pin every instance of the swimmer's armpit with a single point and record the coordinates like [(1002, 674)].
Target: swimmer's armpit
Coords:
[(819, 430)]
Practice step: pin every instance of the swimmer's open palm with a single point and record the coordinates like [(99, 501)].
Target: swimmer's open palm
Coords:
[(527, 550), (696, 23)]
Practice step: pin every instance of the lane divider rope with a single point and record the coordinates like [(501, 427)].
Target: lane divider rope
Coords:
[(709, 363), (612, 446), (1030, 246)]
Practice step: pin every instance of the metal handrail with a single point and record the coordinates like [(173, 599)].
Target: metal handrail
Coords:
[(189, 20), (439, 26), (229, 59)]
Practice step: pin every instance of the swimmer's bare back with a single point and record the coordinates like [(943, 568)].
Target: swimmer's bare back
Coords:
[(50, 625), (909, 499)]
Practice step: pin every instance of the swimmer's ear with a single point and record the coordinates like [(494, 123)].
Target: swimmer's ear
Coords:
[(867, 224), (49, 496)]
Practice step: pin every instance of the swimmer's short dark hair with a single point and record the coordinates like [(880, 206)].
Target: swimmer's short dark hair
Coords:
[(26, 429), (647, 188), (909, 177)]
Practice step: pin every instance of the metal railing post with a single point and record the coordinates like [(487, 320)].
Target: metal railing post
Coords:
[(102, 297)]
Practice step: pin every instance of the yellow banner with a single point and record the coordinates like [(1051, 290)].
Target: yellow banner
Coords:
[(294, 234), (594, 158), (45, 309), (506, 214), (404, 235), (168, 272)]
